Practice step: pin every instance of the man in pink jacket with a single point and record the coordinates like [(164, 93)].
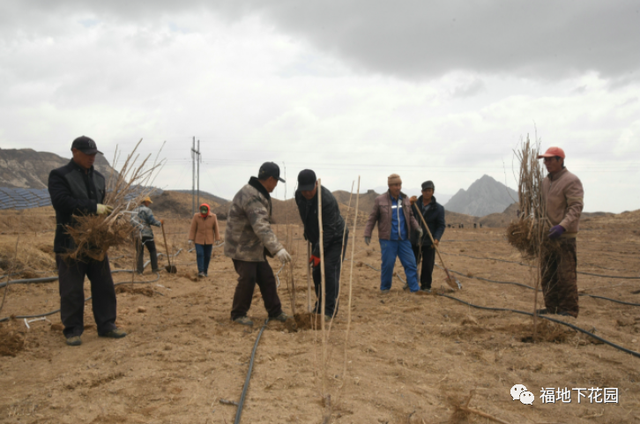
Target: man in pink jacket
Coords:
[(564, 196)]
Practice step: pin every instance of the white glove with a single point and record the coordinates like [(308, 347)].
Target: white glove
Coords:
[(284, 256), (104, 209), (367, 240), (190, 243)]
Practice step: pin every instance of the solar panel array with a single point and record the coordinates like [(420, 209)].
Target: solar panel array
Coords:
[(27, 198)]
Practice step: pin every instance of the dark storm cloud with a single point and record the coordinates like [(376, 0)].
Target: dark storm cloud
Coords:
[(415, 39)]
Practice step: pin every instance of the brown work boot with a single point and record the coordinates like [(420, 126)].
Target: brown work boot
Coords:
[(74, 341), (282, 317), (116, 333), (243, 320)]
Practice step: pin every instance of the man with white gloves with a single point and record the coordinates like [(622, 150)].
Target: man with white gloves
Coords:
[(78, 189), (248, 239)]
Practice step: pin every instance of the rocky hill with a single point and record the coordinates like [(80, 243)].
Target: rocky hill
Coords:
[(484, 197), (26, 168)]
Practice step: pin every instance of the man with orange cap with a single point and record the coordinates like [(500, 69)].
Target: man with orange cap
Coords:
[(564, 196), (142, 219), (204, 231)]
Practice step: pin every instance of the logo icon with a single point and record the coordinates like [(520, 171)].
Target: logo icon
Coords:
[(520, 392), (527, 398)]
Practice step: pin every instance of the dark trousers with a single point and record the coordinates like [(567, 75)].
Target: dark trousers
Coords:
[(250, 273), (203, 256), (428, 256), (71, 275), (559, 278), (153, 254), (333, 256)]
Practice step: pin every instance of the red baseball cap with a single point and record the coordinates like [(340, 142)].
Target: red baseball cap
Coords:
[(552, 152)]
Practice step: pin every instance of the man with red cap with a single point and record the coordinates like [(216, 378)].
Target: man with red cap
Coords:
[(204, 231), (563, 194)]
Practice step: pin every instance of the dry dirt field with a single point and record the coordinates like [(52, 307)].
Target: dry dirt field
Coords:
[(410, 359)]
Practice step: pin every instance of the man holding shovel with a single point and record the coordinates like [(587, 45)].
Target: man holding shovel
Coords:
[(249, 238), (423, 248), (563, 195), (142, 219), (333, 233)]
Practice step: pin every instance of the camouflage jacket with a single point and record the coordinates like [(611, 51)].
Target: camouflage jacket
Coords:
[(248, 236), (142, 218)]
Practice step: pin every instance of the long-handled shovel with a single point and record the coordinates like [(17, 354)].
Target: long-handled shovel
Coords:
[(453, 282), (171, 269)]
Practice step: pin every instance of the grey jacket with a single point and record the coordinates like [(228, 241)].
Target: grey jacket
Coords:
[(142, 218), (248, 236)]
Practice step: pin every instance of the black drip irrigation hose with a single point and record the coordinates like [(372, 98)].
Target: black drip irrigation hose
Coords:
[(488, 280), (631, 352), (29, 280), (533, 288), (246, 381), (620, 277), (86, 300), (609, 299)]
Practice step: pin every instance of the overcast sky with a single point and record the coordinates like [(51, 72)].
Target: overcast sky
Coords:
[(441, 90)]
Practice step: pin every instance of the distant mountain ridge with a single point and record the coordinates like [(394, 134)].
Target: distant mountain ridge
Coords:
[(485, 196), (26, 168)]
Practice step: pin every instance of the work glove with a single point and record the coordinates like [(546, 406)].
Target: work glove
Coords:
[(284, 256), (413, 200), (314, 260), (367, 240), (556, 232), (190, 242), (420, 232), (104, 209)]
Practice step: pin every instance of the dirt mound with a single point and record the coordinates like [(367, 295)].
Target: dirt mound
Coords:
[(36, 220), (308, 321), (146, 291), (12, 341), (31, 259)]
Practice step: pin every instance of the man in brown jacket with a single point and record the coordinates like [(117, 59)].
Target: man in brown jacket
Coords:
[(392, 212), (248, 238), (204, 231), (564, 196)]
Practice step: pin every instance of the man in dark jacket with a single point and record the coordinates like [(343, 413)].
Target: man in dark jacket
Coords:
[(423, 248), (333, 232), (78, 189)]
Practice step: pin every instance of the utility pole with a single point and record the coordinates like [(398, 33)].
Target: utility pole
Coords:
[(195, 158)]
